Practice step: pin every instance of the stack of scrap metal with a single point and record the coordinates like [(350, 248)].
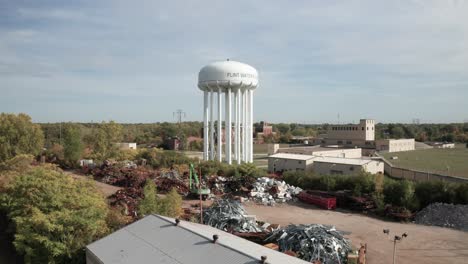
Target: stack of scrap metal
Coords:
[(312, 243), (127, 198), (270, 191), (230, 216), (165, 185), (446, 215)]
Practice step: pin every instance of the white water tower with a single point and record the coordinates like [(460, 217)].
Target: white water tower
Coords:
[(236, 81)]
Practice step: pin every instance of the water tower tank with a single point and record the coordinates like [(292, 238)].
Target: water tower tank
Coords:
[(227, 74)]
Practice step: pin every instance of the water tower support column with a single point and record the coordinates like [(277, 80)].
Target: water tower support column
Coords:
[(251, 125), (228, 127), (205, 125), (212, 151), (220, 125), (238, 121)]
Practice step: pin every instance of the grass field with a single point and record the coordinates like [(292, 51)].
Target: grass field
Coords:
[(452, 162)]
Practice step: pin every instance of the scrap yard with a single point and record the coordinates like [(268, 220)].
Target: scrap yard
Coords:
[(332, 227)]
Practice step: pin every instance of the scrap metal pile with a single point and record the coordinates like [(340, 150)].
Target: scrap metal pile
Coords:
[(312, 243), (232, 185), (270, 191), (230, 216), (127, 198), (446, 215)]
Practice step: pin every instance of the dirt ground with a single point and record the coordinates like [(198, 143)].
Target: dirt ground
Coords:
[(424, 244), (106, 189)]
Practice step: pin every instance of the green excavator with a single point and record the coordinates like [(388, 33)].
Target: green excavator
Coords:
[(197, 188)]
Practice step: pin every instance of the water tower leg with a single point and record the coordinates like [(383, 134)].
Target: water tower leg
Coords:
[(228, 126), (251, 125), (205, 125), (211, 126), (220, 125), (238, 123)]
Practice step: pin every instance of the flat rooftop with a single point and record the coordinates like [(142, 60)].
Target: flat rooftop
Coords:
[(347, 161), (156, 239), (291, 156)]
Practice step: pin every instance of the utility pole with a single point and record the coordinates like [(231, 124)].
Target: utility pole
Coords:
[(395, 239)]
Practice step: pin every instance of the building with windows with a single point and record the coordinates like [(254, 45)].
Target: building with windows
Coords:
[(350, 135)]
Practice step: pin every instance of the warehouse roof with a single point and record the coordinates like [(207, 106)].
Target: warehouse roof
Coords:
[(156, 239), (343, 160), (291, 156)]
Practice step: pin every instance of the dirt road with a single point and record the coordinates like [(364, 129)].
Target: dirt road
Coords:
[(424, 244)]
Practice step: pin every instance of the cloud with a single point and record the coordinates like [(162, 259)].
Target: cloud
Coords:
[(303, 49)]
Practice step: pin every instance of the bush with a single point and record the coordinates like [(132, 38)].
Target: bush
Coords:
[(461, 193), (434, 191), (398, 192)]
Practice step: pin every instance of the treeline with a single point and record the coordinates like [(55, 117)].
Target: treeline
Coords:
[(412, 196), (424, 132)]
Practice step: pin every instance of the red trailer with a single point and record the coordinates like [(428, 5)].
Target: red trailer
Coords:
[(324, 201)]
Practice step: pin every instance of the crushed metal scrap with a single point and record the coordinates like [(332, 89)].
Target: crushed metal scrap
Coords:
[(270, 191), (230, 216), (312, 243)]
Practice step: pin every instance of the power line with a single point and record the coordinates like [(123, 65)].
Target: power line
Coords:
[(179, 113)]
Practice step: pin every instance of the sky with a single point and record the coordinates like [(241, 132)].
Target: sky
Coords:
[(138, 61)]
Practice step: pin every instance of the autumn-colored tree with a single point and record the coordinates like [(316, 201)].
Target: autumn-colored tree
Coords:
[(18, 135), (72, 145)]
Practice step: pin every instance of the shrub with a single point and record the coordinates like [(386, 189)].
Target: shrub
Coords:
[(399, 193)]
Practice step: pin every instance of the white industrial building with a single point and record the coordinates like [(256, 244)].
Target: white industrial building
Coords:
[(395, 145), (126, 145), (236, 82), (331, 165), (323, 151), (159, 239), (281, 162)]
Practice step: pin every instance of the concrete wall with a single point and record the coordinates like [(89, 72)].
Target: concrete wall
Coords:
[(280, 165), (415, 175), (329, 168), (395, 145)]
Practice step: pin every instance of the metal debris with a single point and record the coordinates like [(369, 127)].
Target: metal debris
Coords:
[(230, 216), (270, 191), (312, 243), (446, 215)]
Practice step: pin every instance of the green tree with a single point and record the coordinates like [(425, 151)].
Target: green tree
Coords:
[(150, 203), (104, 139), (18, 135), (72, 145), (54, 216), (172, 204)]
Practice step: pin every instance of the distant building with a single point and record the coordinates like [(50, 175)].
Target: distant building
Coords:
[(158, 239), (351, 135), (126, 146), (173, 143), (441, 144), (330, 165), (323, 151), (301, 158), (267, 130), (282, 162), (395, 145)]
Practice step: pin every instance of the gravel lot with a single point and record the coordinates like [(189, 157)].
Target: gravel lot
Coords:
[(424, 244)]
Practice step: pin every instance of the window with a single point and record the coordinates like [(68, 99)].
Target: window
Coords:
[(349, 142), (340, 142), (300, 162), (363, 128)]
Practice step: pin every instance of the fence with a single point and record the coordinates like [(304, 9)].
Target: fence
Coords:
[(415, 175)]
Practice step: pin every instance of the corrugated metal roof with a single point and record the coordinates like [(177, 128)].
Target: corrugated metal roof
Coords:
[(347, 161), (155, 239), (291, 156)]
